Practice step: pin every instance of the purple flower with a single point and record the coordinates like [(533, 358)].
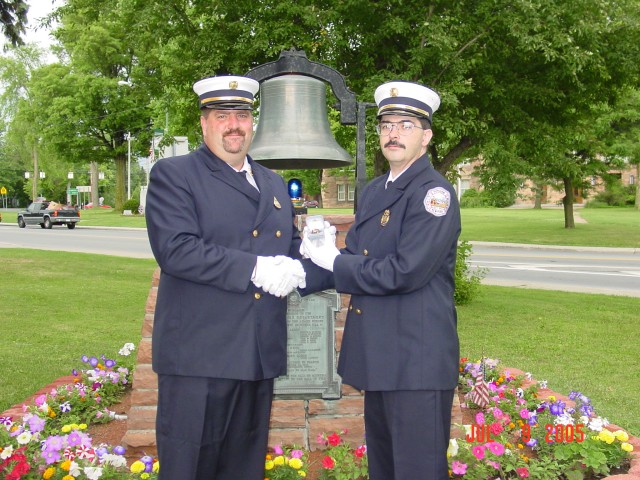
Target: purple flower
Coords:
[(36, 424), (74, 439), (96, 386), (573, 394), (74, 372), (65, 407), (119, 450), (557, 408), (53, 443), (93, 361), (85, 359), (50, 456), (6, 421), (109, 363), (101, 451), (532, 443)]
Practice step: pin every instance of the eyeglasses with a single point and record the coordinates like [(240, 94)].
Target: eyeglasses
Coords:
[(404, 128)]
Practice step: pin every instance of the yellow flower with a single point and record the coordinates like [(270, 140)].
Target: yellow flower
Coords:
[(137, 467), (512, 425), (48, 473), (524, 457), (627, 447), (66, 465), (156, 467), (268, 465), (145, 475), (268, 457), (279, 460), (295, 463), (66, 429), (520, 446), (606, 436), (68, 477), (621, 435), (82, 426), (552, 398), (302, 473)]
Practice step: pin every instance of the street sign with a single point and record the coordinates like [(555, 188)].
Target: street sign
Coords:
[(3, 191), (72, 191)]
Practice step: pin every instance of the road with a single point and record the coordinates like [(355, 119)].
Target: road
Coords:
[(611, 271), (593, 270)]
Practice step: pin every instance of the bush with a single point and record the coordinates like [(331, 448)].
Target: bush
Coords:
[(471, 198), (132, 204), (467, 280)]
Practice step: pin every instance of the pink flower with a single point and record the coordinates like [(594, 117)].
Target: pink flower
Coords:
[(480, 418), (522, 472), (278, 450), (496, 428), (497, 413), (495, 447), (495, 465), (320, 439), (459, 468), (478, 451), (40, 399), (297, 453), (524, 413)]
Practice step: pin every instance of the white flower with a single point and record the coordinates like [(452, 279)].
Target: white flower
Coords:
[(127, 349), (7, 452), (564, 419), (528, 375), (44, 407), (74, 469), (115, 460), (543, 384), (598, 423), (93, 473), (24, 438), (452, 451)]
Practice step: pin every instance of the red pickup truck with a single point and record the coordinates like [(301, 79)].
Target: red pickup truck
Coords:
[(47, 214)]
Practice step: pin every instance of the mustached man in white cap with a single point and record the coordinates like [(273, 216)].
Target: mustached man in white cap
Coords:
[(400, 342), (221, 228)]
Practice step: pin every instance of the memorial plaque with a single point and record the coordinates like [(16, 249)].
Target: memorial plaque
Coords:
[(311, 357)]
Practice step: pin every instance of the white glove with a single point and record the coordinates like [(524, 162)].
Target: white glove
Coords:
[(329, 236), (323, 255), (279, 275)]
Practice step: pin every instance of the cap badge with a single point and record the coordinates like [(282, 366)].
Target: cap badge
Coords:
[(233, 85), (276, 203), (394, 92), (385, 218)]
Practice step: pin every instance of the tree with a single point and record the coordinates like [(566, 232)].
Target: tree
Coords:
[(13, 14)]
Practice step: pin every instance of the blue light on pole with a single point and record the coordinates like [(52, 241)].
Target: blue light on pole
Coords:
[(294, 186)]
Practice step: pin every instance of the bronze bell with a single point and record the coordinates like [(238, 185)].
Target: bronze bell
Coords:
[(293, 128)]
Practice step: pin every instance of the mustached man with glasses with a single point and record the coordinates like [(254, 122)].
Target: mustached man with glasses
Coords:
[(400, 342)]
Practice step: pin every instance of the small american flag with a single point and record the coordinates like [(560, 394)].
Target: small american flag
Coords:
[(480, 392)]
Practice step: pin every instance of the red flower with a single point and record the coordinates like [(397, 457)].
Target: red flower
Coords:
[(522, 472), (328, 462), (496, 428), (360, 451), (334, 439)]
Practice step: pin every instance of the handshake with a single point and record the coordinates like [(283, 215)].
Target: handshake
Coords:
[(279, 275)]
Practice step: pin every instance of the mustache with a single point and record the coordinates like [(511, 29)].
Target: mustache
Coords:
[(235, 131), (394, 143)]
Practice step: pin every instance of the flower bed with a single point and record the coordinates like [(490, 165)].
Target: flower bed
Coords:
[(525, 431)]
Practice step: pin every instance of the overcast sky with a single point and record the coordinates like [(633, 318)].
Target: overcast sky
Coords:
[(37, 10)]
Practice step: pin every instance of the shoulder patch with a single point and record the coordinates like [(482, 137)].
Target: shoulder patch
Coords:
[(437, 201)]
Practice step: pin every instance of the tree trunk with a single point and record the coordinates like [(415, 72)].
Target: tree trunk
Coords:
[(121, 173), (379, 164), (567, 202), (95, 184), (538, 197)]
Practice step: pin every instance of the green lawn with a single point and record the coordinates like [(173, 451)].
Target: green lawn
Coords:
[(58, 306)]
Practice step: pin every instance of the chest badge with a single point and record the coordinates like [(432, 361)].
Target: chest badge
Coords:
[(385, 218), (276, 203)]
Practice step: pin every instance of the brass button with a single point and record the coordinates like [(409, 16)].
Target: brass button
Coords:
[(358, 311), (366, 252), (254, 233), (257, 295), (350, 307), (278, 233)]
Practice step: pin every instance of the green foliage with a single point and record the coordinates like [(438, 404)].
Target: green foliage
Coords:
[(471, 198), (341, 461), (132, 204), (467, 279), (614, 195)]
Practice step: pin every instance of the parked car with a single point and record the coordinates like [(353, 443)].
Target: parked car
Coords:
[(47, 214), (90, 205), (311, 204)]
